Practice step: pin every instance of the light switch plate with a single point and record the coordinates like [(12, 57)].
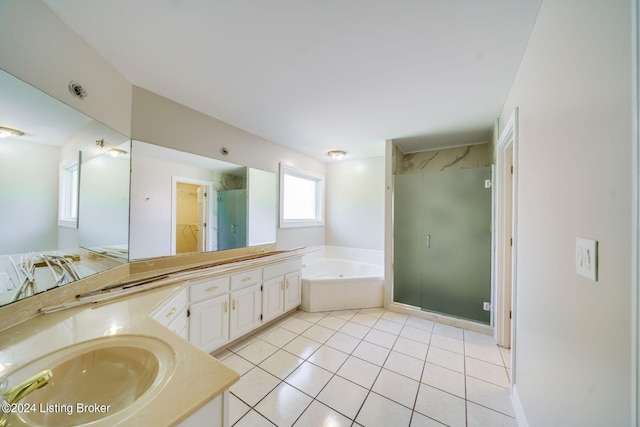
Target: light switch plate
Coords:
[(587, 258)]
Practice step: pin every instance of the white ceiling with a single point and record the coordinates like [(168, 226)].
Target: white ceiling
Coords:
[(317, 75)]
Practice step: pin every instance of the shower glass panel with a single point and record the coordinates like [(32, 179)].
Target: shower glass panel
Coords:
[(407, 229), (232, 219), (444, 255)]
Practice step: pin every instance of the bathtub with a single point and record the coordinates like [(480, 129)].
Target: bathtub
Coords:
[(334, 284)]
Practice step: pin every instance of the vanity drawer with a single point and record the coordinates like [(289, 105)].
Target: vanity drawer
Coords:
[(281, 269), (172, 309), (209, 287), (246, 278)]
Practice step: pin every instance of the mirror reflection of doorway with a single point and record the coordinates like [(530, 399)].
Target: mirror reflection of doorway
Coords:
[(191, 216)]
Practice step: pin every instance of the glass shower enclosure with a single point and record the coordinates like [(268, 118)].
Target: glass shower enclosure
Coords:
[(442, 241)]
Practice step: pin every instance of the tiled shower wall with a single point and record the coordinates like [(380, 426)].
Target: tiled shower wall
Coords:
[(467, 157)]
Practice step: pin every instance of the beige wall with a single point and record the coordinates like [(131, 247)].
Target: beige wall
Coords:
[(37, 47), (573, 336), (163, 122), (355, 203)]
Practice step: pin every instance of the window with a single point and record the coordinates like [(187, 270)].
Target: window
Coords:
[(301, 198), (68, 196)]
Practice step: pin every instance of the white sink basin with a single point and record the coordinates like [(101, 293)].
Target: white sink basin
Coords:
[(110, 377)]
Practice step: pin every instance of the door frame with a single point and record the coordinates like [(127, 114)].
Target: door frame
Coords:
[(174, 204), (506, 229), (635, 224)]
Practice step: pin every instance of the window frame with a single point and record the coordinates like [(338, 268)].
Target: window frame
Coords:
[(318, 179), (69, 190)]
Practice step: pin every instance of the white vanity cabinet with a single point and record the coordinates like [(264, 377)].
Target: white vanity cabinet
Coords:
[(209, 312), (173, 313), (225, 307), (281, 288), (213, 414), (245, 302)]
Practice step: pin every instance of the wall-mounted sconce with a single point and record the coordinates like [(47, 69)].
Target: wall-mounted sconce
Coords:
[(100, 142), (115, 152), (7, 132), (337, 154)]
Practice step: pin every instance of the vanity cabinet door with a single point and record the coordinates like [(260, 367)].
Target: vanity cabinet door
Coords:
[(209, 323), (213, 414), (245, 311), (272, 298), (173, 313), (292, 291)]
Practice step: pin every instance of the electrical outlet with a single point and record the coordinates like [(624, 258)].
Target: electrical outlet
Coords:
[(486, 306), (587, 258)]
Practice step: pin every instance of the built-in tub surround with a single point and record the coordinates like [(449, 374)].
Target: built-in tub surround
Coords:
[(340, 278)]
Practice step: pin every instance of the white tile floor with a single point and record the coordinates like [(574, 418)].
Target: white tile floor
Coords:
[(368, 368)]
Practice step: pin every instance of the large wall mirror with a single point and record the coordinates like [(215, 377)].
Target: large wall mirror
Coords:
[(184, 203), (61, 188)]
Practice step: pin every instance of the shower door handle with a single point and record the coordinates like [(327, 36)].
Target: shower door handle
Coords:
[(428, 240)]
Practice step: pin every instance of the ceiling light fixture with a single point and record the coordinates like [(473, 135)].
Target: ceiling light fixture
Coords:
[(7, 132), (337, 154), (115, 152)]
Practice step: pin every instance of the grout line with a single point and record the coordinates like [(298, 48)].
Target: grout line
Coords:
[(350, 354)]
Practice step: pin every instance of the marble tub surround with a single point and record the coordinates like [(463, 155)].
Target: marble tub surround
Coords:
[(465, 157), (196, 380)]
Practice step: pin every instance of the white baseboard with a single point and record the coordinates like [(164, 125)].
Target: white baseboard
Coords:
[(517, 407)]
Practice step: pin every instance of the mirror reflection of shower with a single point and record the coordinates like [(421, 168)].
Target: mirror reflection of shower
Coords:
[(232, 219)]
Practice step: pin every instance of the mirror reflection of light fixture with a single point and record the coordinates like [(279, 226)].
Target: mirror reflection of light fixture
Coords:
[(115, 152), (100, 142), (337, 154), (7, 132)]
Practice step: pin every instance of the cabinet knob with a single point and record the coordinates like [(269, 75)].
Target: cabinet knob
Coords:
[(244, 279), (233, 304), (211, 289), (226, 307), (173, 310), (286, 283)]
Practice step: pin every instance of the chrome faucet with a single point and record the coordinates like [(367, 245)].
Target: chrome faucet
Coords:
[(20, 391)]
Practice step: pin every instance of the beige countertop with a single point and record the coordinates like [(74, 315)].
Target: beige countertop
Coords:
[(196, 379)]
